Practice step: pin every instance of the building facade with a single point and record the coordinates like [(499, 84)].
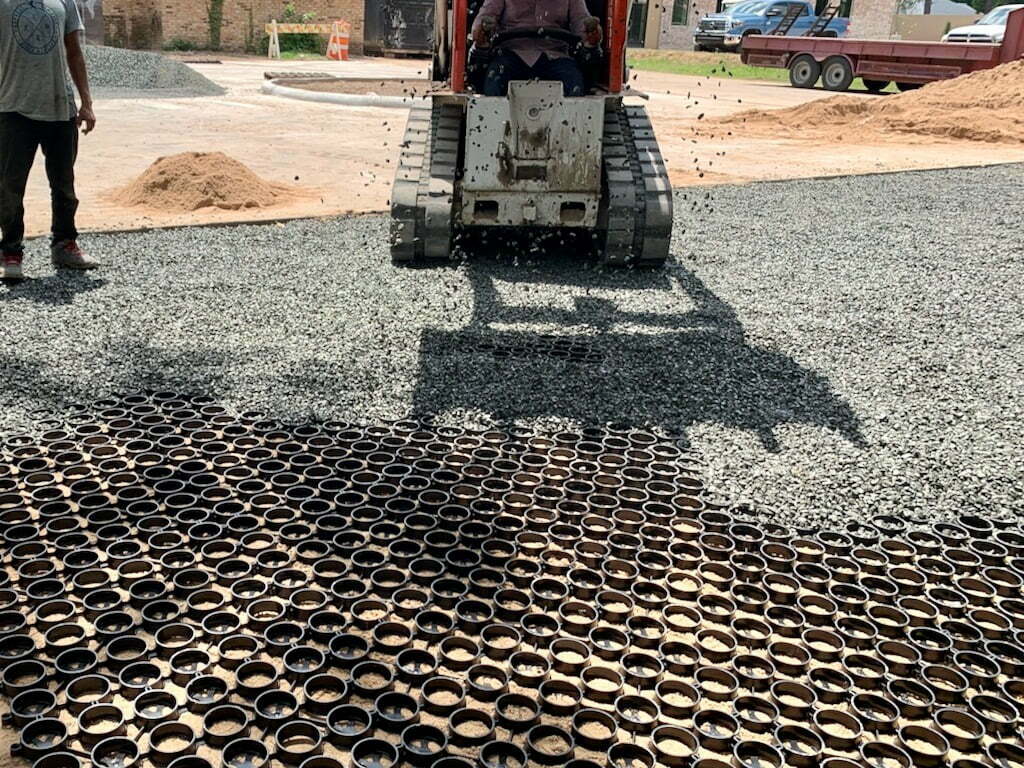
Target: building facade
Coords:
[(154, 23), (678, 22)]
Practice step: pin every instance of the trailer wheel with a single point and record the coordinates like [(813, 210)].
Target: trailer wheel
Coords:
[(804, 71), (836, 73), (907, 86), (875, 86)]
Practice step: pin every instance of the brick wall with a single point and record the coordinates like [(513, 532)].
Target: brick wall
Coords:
[(244, 20), (680, 36), (132, 23), (872, 19), (91, 12)]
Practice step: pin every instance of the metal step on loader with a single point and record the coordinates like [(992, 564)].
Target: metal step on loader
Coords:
[(534, 160)]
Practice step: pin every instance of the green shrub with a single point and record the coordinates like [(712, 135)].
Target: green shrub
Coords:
[(300, 43), (180, 44)]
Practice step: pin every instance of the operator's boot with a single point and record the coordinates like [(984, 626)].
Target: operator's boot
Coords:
[(590, 60)]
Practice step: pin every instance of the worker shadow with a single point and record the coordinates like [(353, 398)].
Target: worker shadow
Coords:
[(641, 347), (37, 383), (56, 289)]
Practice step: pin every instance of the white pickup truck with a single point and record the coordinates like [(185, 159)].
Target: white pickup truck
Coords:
[(990, 28)]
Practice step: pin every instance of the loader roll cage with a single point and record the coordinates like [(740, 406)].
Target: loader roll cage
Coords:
[(454, 18)]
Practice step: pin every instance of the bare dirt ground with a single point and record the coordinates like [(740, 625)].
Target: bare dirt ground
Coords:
[(342, 158), (732, 155), (402, 88)]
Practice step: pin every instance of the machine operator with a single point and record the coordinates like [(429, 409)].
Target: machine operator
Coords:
[(534, 58)]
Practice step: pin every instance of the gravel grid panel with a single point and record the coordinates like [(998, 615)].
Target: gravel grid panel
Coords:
[(838, 347)]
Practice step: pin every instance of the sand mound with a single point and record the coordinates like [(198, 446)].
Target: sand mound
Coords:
[(983, 106), (194, 180)]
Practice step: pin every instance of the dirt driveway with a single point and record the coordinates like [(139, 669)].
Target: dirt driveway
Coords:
[(677, 101), (341, 158)]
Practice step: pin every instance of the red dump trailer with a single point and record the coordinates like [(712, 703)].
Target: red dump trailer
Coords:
[(910, 64)]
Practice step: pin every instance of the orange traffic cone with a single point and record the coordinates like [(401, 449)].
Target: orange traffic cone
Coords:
[(337, 48)]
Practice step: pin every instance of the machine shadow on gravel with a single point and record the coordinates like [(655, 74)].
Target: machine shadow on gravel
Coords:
[(602, 363)]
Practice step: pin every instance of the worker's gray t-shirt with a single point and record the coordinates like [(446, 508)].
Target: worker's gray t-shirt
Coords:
[(34, 79)]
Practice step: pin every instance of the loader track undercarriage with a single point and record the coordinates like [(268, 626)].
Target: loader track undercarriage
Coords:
[(423, 199), (638, 195), (635, 225)]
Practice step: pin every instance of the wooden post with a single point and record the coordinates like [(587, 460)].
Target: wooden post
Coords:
[(274, 49)]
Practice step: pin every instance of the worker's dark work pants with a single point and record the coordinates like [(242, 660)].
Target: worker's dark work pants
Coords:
[(507, 66), (19, 140)]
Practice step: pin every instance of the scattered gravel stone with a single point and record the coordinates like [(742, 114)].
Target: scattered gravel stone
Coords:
[(836, 348), (122, 73)]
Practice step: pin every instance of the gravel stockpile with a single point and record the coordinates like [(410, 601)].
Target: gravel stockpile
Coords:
[(120, 73), (859, 350)]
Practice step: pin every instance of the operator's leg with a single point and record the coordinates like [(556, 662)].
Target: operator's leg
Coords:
[(505, 67), (566, 70)]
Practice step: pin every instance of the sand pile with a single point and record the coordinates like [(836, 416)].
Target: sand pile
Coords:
[(983, 106), (194, 180)]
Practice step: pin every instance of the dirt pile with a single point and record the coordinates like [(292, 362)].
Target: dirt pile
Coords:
[(983, 106), (195, 180)]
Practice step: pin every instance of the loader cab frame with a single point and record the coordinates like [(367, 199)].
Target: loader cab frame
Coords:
[(454, 18)]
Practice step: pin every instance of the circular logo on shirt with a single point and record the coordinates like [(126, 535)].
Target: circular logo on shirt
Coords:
[(35, 27)]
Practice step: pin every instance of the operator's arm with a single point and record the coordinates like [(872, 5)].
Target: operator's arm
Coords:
[(76, 63), (583, 24), (491, 9)]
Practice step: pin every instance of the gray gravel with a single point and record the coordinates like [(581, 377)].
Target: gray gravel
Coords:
[(120, 73), (858, 348)]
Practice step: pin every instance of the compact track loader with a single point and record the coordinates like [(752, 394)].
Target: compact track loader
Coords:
[(534, 160)]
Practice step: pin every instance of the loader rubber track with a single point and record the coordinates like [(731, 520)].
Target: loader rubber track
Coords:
[(423, 197), (639, 196)]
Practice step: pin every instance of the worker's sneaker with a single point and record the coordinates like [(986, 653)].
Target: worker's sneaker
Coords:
[(67, 255), (12, 267)]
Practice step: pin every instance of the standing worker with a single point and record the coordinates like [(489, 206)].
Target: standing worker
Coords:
[(40, 41)]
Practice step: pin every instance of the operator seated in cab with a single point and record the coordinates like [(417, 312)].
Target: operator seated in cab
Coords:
[(534, 57)]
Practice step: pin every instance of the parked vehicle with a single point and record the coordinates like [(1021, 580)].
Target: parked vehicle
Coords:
[(725, 31), (908, 63), (990, 28)]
